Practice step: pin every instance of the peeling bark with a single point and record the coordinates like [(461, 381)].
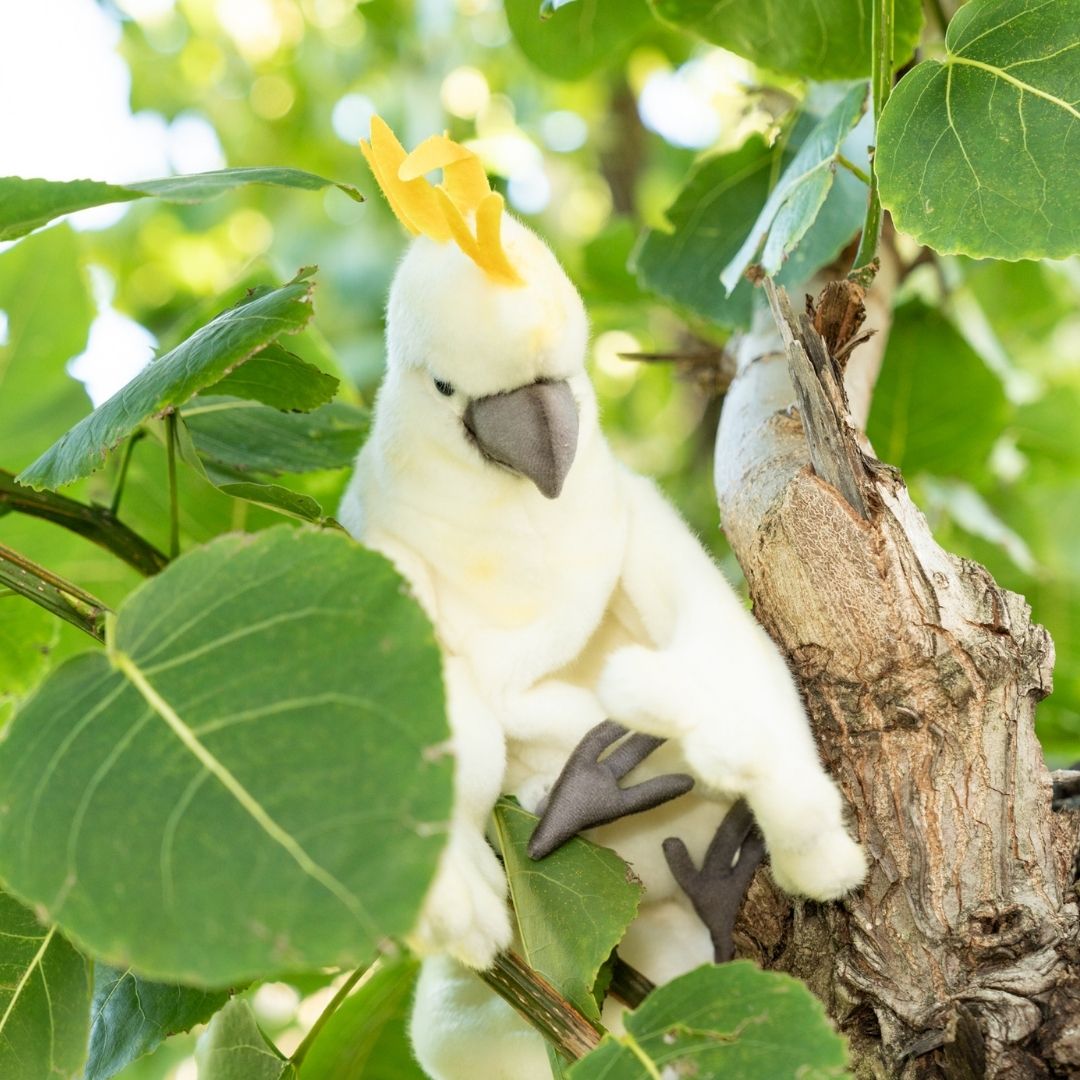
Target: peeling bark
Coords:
[(957, 958)]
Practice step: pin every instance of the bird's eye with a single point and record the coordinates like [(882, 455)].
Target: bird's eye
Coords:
[(444, 388)]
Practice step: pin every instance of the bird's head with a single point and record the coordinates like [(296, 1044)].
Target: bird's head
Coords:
[(486, 335)]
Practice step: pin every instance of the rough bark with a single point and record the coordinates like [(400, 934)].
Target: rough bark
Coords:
[(957, 958)]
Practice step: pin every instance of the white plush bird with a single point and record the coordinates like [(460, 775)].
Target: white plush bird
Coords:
[(564, 591)]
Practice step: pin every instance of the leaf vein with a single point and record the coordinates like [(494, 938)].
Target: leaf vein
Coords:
[(243, 797), (1001, 73), (20, 986)]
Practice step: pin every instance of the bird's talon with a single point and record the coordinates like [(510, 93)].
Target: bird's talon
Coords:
[(718, 888), (587, 792)]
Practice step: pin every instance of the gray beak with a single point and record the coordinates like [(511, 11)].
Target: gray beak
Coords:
[(532, 430)]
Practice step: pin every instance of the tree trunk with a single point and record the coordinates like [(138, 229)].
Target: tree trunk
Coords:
[(957, 957)]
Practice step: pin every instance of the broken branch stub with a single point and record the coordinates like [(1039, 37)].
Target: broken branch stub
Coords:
[(819, 389)]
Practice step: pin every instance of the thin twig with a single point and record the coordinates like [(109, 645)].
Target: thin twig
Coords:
[(324, 1016), (564, 1026), (96, 523), (53, 593), (121, 477), (852, 168)]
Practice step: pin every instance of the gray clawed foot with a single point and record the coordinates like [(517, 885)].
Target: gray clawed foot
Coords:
[(717, 890), (587, 792)]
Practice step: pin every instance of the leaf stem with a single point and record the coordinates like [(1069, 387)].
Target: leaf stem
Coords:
[(881, 77), (121, 477), (53, 593), (96, 523), (567, 1029), (174, 501), (852, 168), (324, 1016)]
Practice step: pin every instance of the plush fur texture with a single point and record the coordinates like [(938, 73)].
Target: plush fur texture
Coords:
[(555, 614)]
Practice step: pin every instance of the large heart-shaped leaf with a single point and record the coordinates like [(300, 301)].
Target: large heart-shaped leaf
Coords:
[(241, 785), (733, 1020), (28, 204), (570, 40), (794, 203), (978, 153), (819, 39), (27, 635), (202, 360), (44, 999), (130, 1016), (571, 908)]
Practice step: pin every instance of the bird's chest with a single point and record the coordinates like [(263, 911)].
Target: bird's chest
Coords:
[(524, 598), (516, 583)]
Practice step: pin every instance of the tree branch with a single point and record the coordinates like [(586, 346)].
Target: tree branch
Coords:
[(96, 523), (920, 676), (561, 1024)]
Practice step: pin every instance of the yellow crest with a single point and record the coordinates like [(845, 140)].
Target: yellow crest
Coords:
[(441, 211)]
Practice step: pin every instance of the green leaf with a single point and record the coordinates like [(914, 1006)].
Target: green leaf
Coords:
[(241, 785), (823, 39), (1045, 432), (284, 500), (732, 1020), (28, 204), (576, 38), (44, 293), (130, 1016), (44, 999), (937, 406), (711, 215), (28, 634), (203, 359), (204, 511), (234, 1048), (572, 908), (607, 257), (278, 378), (367, 1036), (1024, 303), (977, 153), (800, 192), (716, 209), (238, 485), (244, 436)]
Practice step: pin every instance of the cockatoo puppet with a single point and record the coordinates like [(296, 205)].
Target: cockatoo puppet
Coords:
[(566, 593)]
